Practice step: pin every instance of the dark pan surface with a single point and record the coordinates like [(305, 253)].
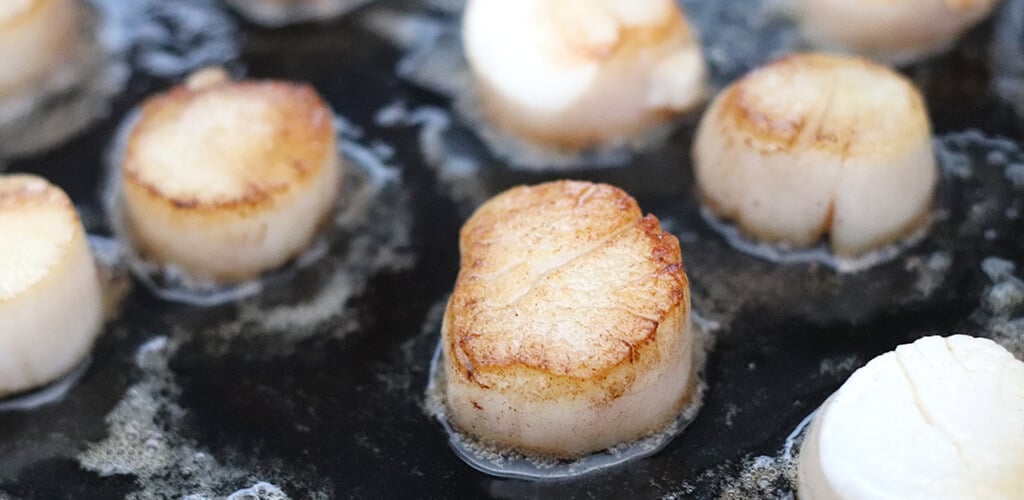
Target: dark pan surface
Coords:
[(316, 385)]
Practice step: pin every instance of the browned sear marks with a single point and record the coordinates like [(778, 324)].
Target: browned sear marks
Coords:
[(565, 277)]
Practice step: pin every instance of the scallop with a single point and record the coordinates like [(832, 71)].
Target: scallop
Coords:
[(938, 419), (50, 301), (568, 331), (35, 37), (897, 31), (816, 144), (578, 73), (227, 180)]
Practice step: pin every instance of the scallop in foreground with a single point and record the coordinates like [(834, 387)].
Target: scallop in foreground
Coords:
[(899, 31), (577, 73), (226, 180), (816, 144), (938, 419), (35, 37), (568, 331), (50, 303)]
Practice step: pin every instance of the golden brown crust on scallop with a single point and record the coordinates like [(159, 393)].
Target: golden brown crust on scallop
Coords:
[(814, 144), (289, 153), (799, 101), (576, 44), (968, 4), (226, 180), (575, 126), (564, 281), (27, 200), (20, 191), (34, 7)]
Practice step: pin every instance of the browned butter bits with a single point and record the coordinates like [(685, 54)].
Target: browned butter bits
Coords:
[(226, 180), (569, 328)]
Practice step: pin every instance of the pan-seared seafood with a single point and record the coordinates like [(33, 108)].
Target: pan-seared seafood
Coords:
[(50, 304), (938, 419), (568, 331), (226, 180), (817, 144), (35, 36), (891, 30), (577, 73)]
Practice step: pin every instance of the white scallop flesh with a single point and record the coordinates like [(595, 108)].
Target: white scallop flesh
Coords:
[(35, 36), (814, 145), (599, 67), (938, 419), (895, 31), (50, 303)]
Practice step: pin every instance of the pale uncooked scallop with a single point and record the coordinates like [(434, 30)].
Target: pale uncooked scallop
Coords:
[(891, 30), (568, 331), (577, 73), (50, 303), (938, 419), (227, 180), (35, 37), (817, 144)]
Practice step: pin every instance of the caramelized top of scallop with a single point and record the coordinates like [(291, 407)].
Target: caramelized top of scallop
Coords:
[(565, 277), (214, 143), (847, 105), (11, 10), (38, 223)]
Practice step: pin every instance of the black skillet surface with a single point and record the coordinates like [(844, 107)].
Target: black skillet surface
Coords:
[(181, 399)]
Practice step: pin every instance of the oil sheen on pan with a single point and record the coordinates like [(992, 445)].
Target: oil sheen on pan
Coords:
[(313, 384)]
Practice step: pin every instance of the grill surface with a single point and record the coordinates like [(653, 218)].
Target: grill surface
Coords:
[(316, 384)]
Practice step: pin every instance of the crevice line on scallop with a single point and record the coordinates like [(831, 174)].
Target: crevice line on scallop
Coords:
[(554, 266), (922, 409)]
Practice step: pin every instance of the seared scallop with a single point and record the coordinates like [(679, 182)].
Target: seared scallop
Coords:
[(817, 144), (35, 36), (50, 304), (568, 331), (226, 180), (896, 31), (938, 419), (577, 73)]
